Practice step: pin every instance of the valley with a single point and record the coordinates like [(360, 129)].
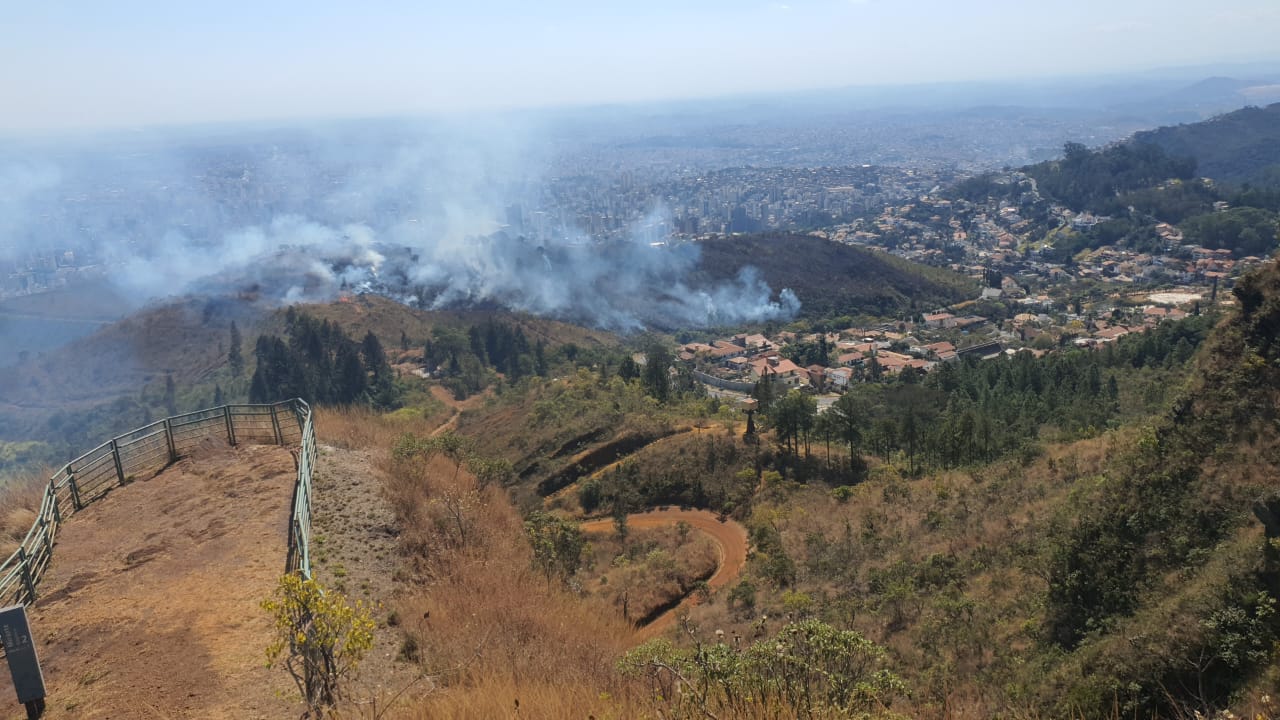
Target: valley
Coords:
[(766, 407)]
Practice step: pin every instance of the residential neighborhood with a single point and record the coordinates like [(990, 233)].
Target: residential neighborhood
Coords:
[(828, 362)]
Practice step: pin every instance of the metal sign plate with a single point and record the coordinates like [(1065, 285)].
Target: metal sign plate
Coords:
[(20, 648)]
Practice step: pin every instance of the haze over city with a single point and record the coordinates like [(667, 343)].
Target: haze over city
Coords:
[(788, 359), (139, 63)]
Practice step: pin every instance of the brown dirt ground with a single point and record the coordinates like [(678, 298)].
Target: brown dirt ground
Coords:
[(151, 606), (354, 552), (729, 537)]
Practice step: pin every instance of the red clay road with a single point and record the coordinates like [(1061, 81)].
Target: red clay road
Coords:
[(729, 537)]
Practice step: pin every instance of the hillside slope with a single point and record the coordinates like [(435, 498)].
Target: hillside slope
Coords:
[(72, 397), (388, 319), (115, 379), (1130, 575), (1242, 146), (831, 278)]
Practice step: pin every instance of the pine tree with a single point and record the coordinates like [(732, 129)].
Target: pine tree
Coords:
[(353, 381), (170, 395), (371, 348), (628, 369), (476, 340), (655, 378), (234, 356), (846, 417), (258, 390), (382, 387), (540, 359)]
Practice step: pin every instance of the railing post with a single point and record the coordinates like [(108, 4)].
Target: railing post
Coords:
[(275, 425), (115, 455), (231, 426), (53, 498), (43, 546), (75, 491), (168, 439), (26, 574), (304, 557)]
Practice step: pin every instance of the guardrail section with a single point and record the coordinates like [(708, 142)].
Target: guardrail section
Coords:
[(150, 449)]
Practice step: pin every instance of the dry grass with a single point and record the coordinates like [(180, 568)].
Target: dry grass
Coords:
[(652, 569), (485, 626), (482, 614), (503, 696), (355, 427), (388, 319), (988, 522), (20, 500)]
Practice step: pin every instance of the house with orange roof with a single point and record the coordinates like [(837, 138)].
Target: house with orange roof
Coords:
[(779, 369)]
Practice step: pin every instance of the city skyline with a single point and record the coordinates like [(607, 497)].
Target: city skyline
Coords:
[(141, 63)]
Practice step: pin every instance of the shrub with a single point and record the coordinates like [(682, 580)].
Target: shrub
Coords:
[(320, 637), (809, 669)]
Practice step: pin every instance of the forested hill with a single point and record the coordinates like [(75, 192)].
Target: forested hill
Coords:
[(1239, 147), (1179, 532), (1218, 181), (1158, 172), (832, 278)]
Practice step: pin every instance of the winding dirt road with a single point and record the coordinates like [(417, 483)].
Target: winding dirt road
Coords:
[(730, 539)]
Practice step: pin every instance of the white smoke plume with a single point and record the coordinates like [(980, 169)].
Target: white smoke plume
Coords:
[(410, 210), (19, 182)]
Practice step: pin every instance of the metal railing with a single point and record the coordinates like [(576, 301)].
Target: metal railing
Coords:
[(150, 449), (299, 558)]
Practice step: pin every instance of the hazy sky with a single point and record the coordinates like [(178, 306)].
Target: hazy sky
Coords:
[(127, 62)]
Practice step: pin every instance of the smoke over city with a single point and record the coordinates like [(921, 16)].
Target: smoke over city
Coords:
[(437, 218)]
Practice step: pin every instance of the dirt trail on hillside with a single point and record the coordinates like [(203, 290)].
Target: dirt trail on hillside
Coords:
[(456, 407), (151, 606), (730, 539)]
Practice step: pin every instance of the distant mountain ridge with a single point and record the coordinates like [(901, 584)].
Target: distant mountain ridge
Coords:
[(1241, 146)]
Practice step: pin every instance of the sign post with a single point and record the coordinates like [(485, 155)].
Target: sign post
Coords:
[(24, 666)]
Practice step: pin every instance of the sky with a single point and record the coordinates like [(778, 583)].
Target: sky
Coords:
[(129, 63)]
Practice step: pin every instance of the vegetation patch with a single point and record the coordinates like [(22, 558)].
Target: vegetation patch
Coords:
[(644, 572)]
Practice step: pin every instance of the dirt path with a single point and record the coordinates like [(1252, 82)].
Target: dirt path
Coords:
[(151, 606), (455, 407), (355, 539), (730, 539)]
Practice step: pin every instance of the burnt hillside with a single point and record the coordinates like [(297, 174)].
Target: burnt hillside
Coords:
[(831, 278)]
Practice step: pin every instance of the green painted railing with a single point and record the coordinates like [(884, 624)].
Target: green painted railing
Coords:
[(150, 449), (300, 523)]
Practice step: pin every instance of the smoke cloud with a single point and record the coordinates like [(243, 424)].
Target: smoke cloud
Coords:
[(20, 183), (412, 211)]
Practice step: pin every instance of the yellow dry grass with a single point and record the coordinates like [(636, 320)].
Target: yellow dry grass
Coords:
[(360, 427), (653, 569), (488, 629), (20, 500)]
